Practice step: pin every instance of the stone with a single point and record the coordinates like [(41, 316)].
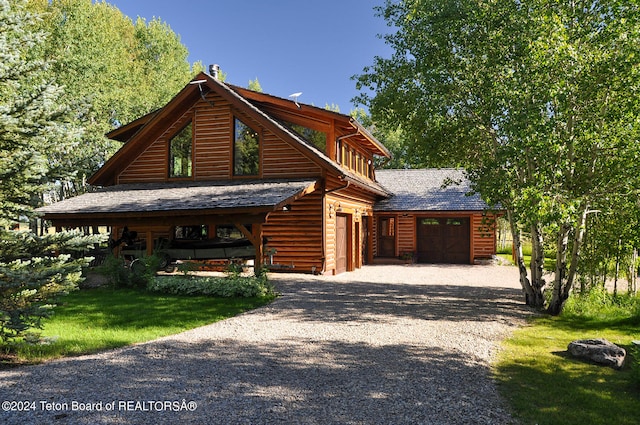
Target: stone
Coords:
[(598, 351)]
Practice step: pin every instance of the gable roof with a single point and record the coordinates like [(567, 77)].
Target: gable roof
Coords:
[(271, 104), (147, 129), (430, 189), (182, 197)]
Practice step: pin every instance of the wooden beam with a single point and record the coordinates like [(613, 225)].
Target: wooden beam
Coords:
[(249, 235), (257, 234)]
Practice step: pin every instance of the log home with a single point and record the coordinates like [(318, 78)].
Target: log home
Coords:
[(218, 161)]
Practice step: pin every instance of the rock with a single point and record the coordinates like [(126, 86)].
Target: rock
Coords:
[(599, 351)]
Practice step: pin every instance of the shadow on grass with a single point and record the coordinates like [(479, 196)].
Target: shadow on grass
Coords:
[(548, 386)]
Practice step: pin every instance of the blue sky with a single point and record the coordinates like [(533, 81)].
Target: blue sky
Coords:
[(313, 47)]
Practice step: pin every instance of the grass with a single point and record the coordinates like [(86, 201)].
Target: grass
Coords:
[(93, 320), (545, 386)]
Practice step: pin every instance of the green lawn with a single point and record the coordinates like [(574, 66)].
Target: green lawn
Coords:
[(92, 320), (545, 386)]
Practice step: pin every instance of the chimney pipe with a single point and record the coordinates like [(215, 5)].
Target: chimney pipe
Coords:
[(214, 70)]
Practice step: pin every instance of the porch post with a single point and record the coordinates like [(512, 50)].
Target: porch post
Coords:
[(149, 238), (257, 237)]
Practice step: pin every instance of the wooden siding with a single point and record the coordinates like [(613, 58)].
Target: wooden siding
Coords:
[(213, 133), (483, 237), (405, 231), (151, 166), (296, 235), (281, 160), (212, 149)]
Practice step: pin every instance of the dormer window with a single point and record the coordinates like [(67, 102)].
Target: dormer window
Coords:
[(181, 153), (246, 150)]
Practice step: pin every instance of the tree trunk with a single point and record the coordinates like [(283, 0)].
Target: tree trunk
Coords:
[(537, 263), (633, 275), (564, 279), (562, 244), (531, 297)]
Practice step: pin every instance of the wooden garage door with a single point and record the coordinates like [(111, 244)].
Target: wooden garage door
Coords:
[(443, 240), (341, 244)]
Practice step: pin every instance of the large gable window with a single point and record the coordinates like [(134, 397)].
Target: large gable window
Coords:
[(180, 153), (246, 150)]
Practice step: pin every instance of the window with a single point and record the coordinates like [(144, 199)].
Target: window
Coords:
[(180, 158), (316, 137), (388, 226), (246, 150), (430, 222)]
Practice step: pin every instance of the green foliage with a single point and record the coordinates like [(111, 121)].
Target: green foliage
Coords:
[(32, 276), (600, 304), (114, 70), (135, 274), (35, 121), (537, 100), (255, 85), (232, 285)]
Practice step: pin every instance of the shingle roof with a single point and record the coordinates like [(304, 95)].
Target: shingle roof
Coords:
[(181, 196), (445, 189)]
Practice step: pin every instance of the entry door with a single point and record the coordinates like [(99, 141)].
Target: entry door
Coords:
[(443, 240), (387, 237), (341, 244)]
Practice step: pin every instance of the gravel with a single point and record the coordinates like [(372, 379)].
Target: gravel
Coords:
[(382, 345)]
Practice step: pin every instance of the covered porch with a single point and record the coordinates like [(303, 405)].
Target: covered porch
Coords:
[(157, 211)]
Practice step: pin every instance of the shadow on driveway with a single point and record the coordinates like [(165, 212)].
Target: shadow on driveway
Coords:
[(326, 352)]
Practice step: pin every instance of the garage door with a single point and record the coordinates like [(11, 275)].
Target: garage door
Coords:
[(443, 240)]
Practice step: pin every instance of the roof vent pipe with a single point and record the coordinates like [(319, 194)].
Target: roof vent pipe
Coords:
[(214, 70)]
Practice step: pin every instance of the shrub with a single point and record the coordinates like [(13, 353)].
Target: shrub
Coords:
[(232, 285), (598, 303), (139, 274)]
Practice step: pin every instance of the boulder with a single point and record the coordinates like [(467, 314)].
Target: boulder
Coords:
[(598, 351)]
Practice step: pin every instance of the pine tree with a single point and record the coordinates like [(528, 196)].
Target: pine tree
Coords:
[(33, 123)]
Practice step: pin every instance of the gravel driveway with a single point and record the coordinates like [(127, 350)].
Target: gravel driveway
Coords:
[(383, 345)]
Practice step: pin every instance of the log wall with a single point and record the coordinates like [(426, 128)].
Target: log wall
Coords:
[(213, 149)]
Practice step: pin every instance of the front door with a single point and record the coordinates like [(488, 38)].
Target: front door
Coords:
[(341, 244), (387, 237)]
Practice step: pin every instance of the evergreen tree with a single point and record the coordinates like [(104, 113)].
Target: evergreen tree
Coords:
[(33, 123)]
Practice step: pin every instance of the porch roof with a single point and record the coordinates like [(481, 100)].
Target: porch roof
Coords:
[(181, 197), (430, 189)]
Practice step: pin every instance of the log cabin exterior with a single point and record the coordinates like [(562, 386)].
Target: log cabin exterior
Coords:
[(297, 181), (432, 217)]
